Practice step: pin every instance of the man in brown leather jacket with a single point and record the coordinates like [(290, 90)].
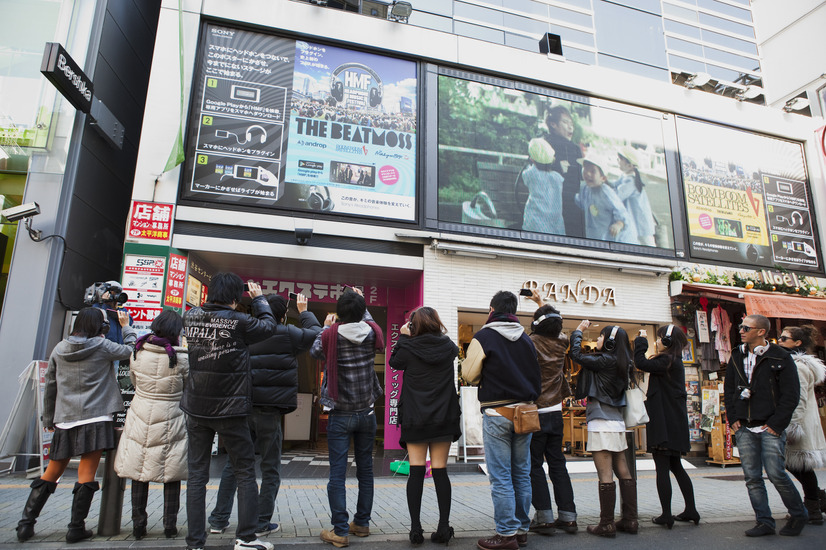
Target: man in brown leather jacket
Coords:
[(546, 445)]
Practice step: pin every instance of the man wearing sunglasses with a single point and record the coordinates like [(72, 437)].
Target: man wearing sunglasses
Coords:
[(762, 391)]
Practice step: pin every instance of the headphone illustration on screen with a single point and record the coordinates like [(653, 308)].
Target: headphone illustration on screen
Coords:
[(666, 340), (317, 201), (337, 86), (547, 316), (223, 134), (611, 343), (263, 133)]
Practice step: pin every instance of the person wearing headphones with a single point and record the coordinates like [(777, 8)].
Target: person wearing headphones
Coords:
[(667, 431), (546, 444), (603, 380)]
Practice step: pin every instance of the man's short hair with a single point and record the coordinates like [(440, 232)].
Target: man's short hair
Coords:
[(504, 301), (279, 305), (761, 321), (350, 307), (225, 288)]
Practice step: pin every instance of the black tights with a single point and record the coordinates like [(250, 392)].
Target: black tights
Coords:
[(663, 464), (415, 487), (808, 479)]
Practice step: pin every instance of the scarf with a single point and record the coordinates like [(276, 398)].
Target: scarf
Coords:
[(496, 317), (329, 341), (158, 341)]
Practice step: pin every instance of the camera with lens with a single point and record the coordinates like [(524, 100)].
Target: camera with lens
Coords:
[(96, 292)]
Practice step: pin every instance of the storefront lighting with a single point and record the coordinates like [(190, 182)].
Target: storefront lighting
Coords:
[(303, 235), (400, 12), (749, 92), (492, 253), (697, 80), (796, 104)]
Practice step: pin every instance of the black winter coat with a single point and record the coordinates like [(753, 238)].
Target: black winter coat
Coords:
[(218, 339), (275, 367), (429, 405), (775, 389), (666, 402), (598, 378)]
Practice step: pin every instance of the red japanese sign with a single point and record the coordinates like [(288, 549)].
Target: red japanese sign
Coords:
[(150, 222), (175, 281)]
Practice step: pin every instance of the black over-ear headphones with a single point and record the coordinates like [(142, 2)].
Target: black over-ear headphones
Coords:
[(666, 340), (337, 86), (317, 201), (611, 343), (546, 316)]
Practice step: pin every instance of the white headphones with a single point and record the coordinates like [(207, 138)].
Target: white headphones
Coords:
[(666, 340), (263, 133), (547, 316)]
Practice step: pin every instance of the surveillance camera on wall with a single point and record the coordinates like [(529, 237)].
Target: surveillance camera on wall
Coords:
[(16, 213)]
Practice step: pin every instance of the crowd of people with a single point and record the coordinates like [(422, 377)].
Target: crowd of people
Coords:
[(720, 178), (218, 370)]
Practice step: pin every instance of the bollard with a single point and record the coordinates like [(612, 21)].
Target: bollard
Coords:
[(111, 495)]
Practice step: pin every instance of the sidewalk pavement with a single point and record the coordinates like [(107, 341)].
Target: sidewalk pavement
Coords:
[(302, 511)]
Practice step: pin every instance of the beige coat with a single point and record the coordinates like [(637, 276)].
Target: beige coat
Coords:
[(153, 446), (805, 445)]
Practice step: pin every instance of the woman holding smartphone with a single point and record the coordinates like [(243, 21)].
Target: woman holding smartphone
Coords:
[(81, 396), (667, 430), (603, 380), (428, 413)]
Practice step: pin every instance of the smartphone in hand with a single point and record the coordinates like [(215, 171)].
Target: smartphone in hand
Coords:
[(525, 292), (293, 297)]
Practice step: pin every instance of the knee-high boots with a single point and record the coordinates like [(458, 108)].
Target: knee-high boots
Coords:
[(607, 503), (628, 494), (82, 501), (40, 493)]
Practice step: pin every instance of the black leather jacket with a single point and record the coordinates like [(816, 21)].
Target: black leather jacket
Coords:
[(275, 367), (774, 389), (598, 378), (218, 337)]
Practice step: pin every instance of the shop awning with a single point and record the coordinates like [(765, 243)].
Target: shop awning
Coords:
[(787, 307), (758, 302)]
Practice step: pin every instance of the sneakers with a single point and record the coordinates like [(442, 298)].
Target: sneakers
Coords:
[(335, 540), (794, 526), (217, 530), (358, 530), (270, 528), (522, 539), (253, 545), (498, 542), (759, 530)]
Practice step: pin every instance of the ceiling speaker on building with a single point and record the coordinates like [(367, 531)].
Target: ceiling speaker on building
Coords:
[(550, 43)]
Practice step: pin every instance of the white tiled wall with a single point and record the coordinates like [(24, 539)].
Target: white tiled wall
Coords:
[(455, 282)]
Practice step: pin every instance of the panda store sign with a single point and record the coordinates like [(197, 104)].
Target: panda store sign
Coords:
[(580, 292)]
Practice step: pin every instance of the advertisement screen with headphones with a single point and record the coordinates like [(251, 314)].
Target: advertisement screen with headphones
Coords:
[(747, 198), (352, 130), (287, 124)]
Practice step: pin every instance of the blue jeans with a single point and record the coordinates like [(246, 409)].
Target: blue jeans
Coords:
[(763, 450), (546, 445), (341, 427), (265, 426), (236, 435), (507, 455)]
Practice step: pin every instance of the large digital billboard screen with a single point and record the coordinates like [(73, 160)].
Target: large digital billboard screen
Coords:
[(747, 199), (542, 165), (302, 126)]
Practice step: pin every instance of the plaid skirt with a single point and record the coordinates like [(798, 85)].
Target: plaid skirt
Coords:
[(82, 439)]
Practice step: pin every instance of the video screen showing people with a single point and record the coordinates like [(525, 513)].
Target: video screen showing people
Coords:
[(538, 164)]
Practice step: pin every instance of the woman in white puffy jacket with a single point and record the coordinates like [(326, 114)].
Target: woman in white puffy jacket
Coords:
[(153, 446), (805, 444)]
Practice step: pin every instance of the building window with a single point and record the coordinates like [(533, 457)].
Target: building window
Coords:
[(629, 33)]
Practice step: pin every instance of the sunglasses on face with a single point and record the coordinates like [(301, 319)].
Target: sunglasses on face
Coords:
[(784, 338), (744, 328)]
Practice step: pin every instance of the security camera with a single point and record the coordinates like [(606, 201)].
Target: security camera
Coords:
[(303, 235), (21, 212)]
